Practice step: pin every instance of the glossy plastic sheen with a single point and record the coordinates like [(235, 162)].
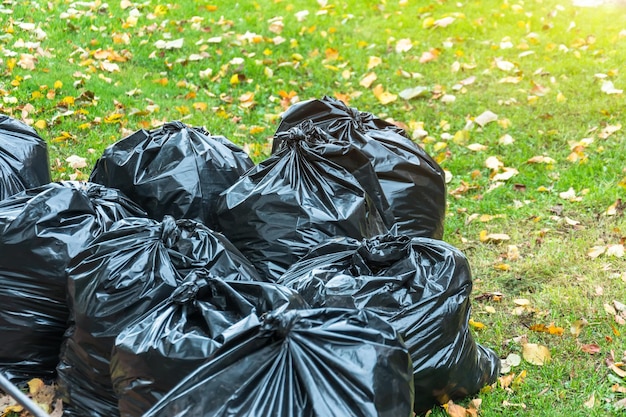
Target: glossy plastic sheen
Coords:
[(413, 183), (158, 350), (118, 278), (301, 363), (296, 199), (23, 158), (422, 287), (41, 229), (176, 170)]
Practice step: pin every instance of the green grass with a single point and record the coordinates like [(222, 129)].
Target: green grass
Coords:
[(556, 51)]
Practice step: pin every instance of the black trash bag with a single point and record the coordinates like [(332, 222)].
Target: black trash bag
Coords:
[(296, 199), (41, 229), (301, 363), (176, 169), (23, 158), (413, 183), (422, 287), (157, 351), (119, 277)]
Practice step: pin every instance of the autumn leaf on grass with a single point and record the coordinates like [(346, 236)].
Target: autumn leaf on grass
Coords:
[(443, 22), (591, 348), (487, 237), (541, 159), (613, 210), (485, 118), (609, 130), (507, 174), (617, 368), (428, 56), (493, 163), (373, 61), (577, 327), (173, 44), (368, 80), (403, 45), (536, 354), (455, 410), (476, 324), (503, 65), (76, 162), (570, 195), (511, 361), (415, 92), (550, 329), (609, 88), (383, 96)]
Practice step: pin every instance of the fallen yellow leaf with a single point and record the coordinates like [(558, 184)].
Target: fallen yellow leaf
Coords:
[(383, 96), (476, 324), (536, 354)]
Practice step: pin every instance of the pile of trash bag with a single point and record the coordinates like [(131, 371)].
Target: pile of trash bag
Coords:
[(176, 337), (299, 197), (413, 183), (120, 276), (320, 362), (23, 157), (174, 170), (315, 283), (422, 287), (41, 230)]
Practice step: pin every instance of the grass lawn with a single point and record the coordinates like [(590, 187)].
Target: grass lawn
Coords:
[(521, 102)]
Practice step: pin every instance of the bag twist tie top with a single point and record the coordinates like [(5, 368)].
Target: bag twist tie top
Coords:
[(357, 118), (173, 127), (186, 293), (169, 231), (304, 132), (281, 323)]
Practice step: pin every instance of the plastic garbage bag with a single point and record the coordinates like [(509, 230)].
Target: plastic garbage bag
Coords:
[(172, 340), (41, 229), (296, 199), (175, 169), (413, 183), (422, 287), (23, 158), (304, 363), (119, 277)]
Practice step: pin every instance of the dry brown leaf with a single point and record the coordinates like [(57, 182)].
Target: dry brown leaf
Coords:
[(506, 380), (609, 130), (591, 348), (618, 371), (455, 410), (618, 388), (596, 251), (615, 250), (591, 402)]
